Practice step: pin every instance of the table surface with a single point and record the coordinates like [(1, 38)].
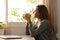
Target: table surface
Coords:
[(23, 37)]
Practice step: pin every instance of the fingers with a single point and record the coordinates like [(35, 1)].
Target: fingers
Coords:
[(27, 16)]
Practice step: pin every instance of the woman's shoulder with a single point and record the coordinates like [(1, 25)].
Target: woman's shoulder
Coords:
[(45, 21)]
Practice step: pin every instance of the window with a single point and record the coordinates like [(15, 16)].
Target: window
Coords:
[(12, 10), (2, 11), (16, 8)]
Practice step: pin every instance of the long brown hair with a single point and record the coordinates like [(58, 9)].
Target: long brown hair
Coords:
[(43, 11)]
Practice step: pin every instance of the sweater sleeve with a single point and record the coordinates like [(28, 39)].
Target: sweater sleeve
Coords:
[(41, 28), (27, 30)]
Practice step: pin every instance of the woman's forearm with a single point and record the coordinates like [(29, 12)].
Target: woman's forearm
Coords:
[(32, 30)]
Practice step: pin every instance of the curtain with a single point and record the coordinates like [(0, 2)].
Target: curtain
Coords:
[(52, 8)]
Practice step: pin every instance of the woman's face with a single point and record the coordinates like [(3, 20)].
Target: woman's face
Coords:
[(36, 13)]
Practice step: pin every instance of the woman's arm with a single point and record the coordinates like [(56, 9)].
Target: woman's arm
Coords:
[(42, 28), (27, 30)]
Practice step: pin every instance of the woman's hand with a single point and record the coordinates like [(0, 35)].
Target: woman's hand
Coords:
[(27, 17)]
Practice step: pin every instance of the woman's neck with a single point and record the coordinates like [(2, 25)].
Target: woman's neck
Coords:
[(39, 20)]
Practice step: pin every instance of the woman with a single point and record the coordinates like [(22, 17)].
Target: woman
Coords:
[(42, 30)]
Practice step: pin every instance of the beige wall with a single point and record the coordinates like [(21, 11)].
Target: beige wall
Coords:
[(16, 28)]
